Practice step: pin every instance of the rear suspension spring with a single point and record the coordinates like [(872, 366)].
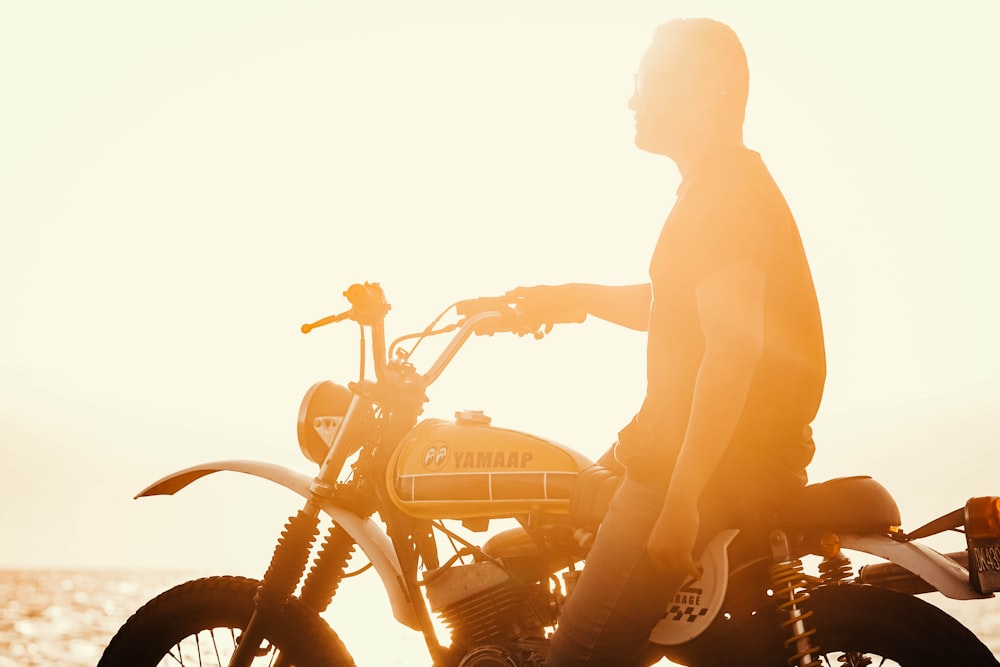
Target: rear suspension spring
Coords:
[(327, 571), (836, 570), (289, 560), (788, 583)]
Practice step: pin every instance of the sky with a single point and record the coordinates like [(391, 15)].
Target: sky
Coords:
[(182, 185)]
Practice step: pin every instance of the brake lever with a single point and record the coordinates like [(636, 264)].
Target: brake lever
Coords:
[(332, 319)]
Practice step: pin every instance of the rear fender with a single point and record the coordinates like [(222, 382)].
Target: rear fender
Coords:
[(366, 533), (941, 572)]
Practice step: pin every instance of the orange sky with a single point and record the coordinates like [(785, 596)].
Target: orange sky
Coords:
[(183, 186)]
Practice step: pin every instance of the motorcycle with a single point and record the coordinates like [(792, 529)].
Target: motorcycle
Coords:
[(401, 488)]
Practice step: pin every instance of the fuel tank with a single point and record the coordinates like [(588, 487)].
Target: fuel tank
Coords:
[(467, 469)]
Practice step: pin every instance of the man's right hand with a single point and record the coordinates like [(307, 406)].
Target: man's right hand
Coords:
[(550, 304), (627, 305)]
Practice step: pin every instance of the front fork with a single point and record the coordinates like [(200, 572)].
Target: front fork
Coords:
[(288, 564), (291, 555)]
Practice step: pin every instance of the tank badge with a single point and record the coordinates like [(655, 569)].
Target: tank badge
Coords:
[(484, 460), (436, 456)]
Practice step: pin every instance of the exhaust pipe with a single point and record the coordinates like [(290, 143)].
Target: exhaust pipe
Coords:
[(901, 580)]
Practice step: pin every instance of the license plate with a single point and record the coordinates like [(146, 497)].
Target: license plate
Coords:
[(984, 564)]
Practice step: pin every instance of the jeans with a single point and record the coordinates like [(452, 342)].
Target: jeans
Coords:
[(619, 597)]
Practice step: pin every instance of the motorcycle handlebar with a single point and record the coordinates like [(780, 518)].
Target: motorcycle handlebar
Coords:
[(481, 316), (368, 302), (516, 316), (368, 307)]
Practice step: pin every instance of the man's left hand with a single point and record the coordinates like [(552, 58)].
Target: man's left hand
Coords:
[(672, 540)]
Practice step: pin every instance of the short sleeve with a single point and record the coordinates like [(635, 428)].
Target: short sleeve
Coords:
[(732, 226)]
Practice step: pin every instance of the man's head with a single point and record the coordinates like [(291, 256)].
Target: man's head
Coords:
[(691, 87)]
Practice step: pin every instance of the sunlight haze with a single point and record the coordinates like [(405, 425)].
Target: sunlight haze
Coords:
[(184, 184)]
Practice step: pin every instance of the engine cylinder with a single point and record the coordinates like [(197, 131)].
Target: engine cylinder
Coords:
[(482, 605)]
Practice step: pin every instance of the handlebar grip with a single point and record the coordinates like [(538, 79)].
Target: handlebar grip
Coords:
[(368, 302), (483, 304), (515, 317)]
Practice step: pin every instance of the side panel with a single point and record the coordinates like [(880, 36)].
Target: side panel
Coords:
[(697, 603), (372, 540), (936, 569)]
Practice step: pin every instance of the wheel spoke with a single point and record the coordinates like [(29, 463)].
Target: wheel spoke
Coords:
[(179, 658), (215, 645)]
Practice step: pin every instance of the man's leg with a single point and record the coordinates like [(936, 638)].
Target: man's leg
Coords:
[(620, 596)]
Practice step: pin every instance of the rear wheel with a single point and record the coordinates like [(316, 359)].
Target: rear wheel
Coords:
[(200, 622), (860, 626)]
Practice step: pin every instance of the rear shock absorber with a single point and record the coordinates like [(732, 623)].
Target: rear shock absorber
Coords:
[(835, 568), (789, 585), (328, 569)]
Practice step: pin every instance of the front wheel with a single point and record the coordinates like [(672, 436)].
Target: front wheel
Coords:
[(862, 626), (200, 622)]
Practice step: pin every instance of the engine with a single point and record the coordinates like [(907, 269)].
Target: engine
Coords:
[(494, 619), (497, 609)]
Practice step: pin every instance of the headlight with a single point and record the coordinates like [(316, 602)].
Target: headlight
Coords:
[(320, 416)]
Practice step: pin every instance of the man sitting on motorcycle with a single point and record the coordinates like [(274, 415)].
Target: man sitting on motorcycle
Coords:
[(735, 355)]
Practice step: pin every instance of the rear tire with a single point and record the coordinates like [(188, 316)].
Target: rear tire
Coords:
[(198, 623), (858, 623), (895, 626)]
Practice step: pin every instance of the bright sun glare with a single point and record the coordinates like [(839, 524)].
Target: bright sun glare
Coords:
[(184, 188)]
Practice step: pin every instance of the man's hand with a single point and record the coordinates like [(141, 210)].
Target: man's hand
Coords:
[(549, 304), (626, 305), (671, 542)]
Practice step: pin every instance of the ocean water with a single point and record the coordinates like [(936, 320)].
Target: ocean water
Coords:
[(67, 618)]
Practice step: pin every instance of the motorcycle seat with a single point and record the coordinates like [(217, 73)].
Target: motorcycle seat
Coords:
[(844, 504)]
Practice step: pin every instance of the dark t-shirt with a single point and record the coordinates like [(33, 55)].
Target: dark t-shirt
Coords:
[(727, 211)]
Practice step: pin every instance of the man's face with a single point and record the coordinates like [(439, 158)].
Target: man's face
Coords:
[(665, 102)]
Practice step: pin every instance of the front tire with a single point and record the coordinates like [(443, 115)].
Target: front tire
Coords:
[(199, 622), (860, 626)]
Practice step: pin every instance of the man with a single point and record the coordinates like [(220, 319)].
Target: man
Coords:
[(735, 356)]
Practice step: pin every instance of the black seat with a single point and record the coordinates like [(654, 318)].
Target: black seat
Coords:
[(845, 504)]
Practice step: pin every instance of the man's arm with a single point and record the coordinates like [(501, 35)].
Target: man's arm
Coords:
[(625, 305), (731, 312)]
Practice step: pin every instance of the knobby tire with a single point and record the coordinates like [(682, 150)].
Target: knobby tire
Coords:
[(854, 622), (187, 612)]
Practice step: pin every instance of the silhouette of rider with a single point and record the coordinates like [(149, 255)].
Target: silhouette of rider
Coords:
[(735, 356)]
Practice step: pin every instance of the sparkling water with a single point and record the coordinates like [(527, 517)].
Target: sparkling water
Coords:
[(68, 617)]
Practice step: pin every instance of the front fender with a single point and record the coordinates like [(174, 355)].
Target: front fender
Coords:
[(366, 533)]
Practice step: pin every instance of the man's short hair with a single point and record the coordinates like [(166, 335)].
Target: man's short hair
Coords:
[(710, 53)]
